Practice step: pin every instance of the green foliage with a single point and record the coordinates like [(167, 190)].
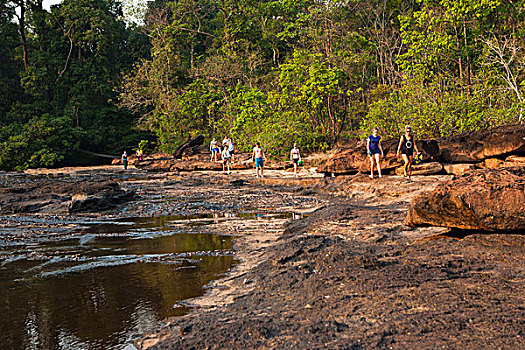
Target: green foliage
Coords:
[(42, 142), (276, 72)]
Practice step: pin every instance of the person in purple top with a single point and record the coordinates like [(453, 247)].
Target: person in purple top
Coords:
[(373, 146)]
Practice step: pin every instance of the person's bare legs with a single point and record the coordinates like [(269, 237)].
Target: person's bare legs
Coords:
[(371, 156), (376, 156), (410, 161), (406, 165), (262, 170), (295, 169)]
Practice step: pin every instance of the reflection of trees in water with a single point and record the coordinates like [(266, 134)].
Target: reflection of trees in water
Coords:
[(102, 303)]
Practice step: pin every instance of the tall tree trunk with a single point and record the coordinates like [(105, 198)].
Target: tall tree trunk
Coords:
[(22, 27), (469, 75), (460, 62)]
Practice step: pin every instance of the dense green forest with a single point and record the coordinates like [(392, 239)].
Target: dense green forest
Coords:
[(82, 77)]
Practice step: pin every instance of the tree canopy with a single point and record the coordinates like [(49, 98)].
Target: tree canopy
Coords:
[(312, 72)]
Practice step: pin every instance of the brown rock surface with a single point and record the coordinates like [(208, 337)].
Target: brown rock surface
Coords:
[(470, 147), (423, 169), (515, 159), (459, 169), (492, 163), (355, 158), (476, 146), (61, 196), (491, 200)]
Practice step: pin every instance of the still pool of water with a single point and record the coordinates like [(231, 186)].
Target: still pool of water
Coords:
[(98, 291)]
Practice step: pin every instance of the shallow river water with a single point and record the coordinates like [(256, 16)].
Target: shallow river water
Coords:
[(110, 282)]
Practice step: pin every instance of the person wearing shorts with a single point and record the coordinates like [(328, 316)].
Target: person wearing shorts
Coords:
[(374, 149), (231, 149), (295, 156), (407, 145), (259, 157), (226, 160), (214, 148)]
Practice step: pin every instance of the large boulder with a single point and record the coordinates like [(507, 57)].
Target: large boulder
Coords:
[(354, 158), (473, 147), (488, 199), (194, 142)]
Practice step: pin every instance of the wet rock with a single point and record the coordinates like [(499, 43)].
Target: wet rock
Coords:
[(61, 196), (488, 199), (108, 196)]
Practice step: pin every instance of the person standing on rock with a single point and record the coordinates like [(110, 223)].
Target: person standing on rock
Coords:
[(226, 160), (259, 157), (214, 148), (373, 146), (407, 145), (295, 156), (125, 160), (231, 149), (139, 154)]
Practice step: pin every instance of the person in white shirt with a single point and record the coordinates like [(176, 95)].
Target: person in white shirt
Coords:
[(214, 148), (226, 160), (295, 156), (231, 149)]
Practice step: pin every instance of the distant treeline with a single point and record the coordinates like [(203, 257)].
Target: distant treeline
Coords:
[(278, 72)]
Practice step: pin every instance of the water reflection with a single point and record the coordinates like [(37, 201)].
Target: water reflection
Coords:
[(99, 294), (110, 281)]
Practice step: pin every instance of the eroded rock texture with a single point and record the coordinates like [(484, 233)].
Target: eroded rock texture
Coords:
[(488, 199)]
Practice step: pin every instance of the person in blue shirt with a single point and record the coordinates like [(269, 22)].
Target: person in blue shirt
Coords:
[(373, 146)]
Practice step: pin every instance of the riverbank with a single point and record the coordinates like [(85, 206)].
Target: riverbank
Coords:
[(329, 264), (351, 276)]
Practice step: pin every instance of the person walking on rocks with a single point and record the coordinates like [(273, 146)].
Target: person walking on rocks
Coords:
[(407, 145), (231, 149), (226, 160), (125, 160), (139, 154), (295, 156), (214, 148), (259, 157), (373, 146)]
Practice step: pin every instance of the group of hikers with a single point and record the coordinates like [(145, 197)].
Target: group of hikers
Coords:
[(406, 149), (258, 156), (124, 157)]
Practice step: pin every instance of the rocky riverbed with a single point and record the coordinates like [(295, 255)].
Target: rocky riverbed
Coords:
[(336, 269)]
